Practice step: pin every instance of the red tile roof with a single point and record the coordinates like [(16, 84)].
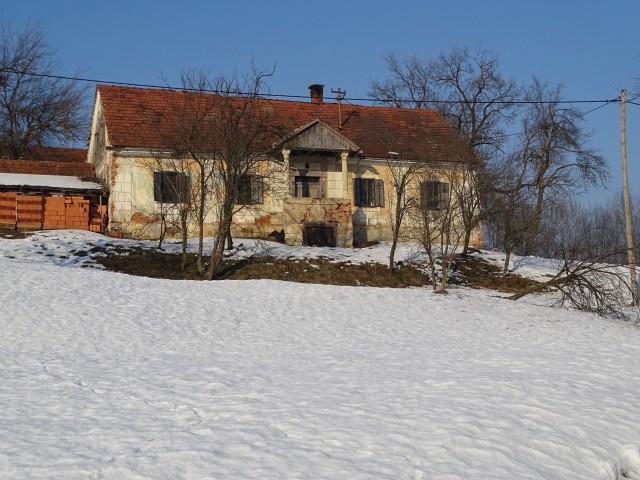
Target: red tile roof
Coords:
[(73, 169), (55, 154), (131, 118), (51, 161)]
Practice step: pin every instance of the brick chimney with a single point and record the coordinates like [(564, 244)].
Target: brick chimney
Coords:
[(317, 91)]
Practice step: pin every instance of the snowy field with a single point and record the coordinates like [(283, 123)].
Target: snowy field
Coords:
[(105, 375)]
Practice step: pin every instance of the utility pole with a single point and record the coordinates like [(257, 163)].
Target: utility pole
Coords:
[(631, 254), (340, 94)]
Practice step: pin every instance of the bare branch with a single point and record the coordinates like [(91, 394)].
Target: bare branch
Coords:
[(35, 110)]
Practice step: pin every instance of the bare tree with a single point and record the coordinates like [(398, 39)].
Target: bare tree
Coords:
[(599, 228), (218, 133), (410, 84), (243, 132), (557, 151), (467, 88), (510, 207), (438, 223), (189, 137), (402, 198), (36, 107), (464, 85), (590, 246), (174, 192), (589, 284)]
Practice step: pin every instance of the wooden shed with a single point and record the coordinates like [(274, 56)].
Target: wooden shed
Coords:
[(52, 189)]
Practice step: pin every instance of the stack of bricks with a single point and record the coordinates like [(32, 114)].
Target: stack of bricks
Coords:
[(97, 217), (8, 210), (76, 213), (29, 212), (34, 212), (54, 213)]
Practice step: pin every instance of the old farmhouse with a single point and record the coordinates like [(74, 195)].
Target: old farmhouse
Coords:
[(327, 178)]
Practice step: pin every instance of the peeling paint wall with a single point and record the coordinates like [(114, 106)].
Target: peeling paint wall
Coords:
[(298, 211), (135, 213)]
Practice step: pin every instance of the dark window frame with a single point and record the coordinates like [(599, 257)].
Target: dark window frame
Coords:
[(434, 195), (368, 192), (250, 190), (170, 187), (303, 184)]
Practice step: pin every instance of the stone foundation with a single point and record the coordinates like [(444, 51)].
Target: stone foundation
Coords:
[(334, 211)]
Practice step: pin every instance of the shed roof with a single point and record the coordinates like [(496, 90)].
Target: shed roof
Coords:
[(40, 167), (131, 117), (51, 169), (51, 154), (47, 182)]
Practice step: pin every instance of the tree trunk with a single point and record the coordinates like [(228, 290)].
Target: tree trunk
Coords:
[(219, 240), (216, 252), (397, 223), (467, 240), (394, 244), (535, 223), (507, 258), (444, 278), (434, 274), (185, 236), (538, 287), (201, 210), (163, 229)]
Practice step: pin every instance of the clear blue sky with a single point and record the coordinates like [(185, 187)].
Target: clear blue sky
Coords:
[(591, 46)]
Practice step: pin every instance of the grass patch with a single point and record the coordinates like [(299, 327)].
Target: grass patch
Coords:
[(478, 273), (158, 264), (13, 234), (148, 263), (324, 271), (472, 270)]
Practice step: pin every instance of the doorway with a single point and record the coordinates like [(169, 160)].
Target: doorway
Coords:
[(319, 234)]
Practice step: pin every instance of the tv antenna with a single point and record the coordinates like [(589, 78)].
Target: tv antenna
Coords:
[(340, 94)]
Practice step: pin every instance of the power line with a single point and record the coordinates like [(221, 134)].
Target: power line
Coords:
[(138, 85), (497, 102), (274, 95), (576, 115)]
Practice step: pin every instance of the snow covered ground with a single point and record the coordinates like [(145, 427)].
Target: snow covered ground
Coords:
[(105, 375)]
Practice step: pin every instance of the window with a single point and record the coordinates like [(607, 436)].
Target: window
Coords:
[(170, 187), (308, 186), (434, 195), (368, 192), (250, 190)]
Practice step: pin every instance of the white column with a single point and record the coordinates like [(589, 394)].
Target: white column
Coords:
[(345, 178), (287, 171)]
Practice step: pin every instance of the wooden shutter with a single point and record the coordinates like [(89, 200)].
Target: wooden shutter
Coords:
[(244, 190), (181, 188), (257, 189), (424, 194), (357, 193), (379, 190), (434, 195), (157, 186), (443, 197)]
